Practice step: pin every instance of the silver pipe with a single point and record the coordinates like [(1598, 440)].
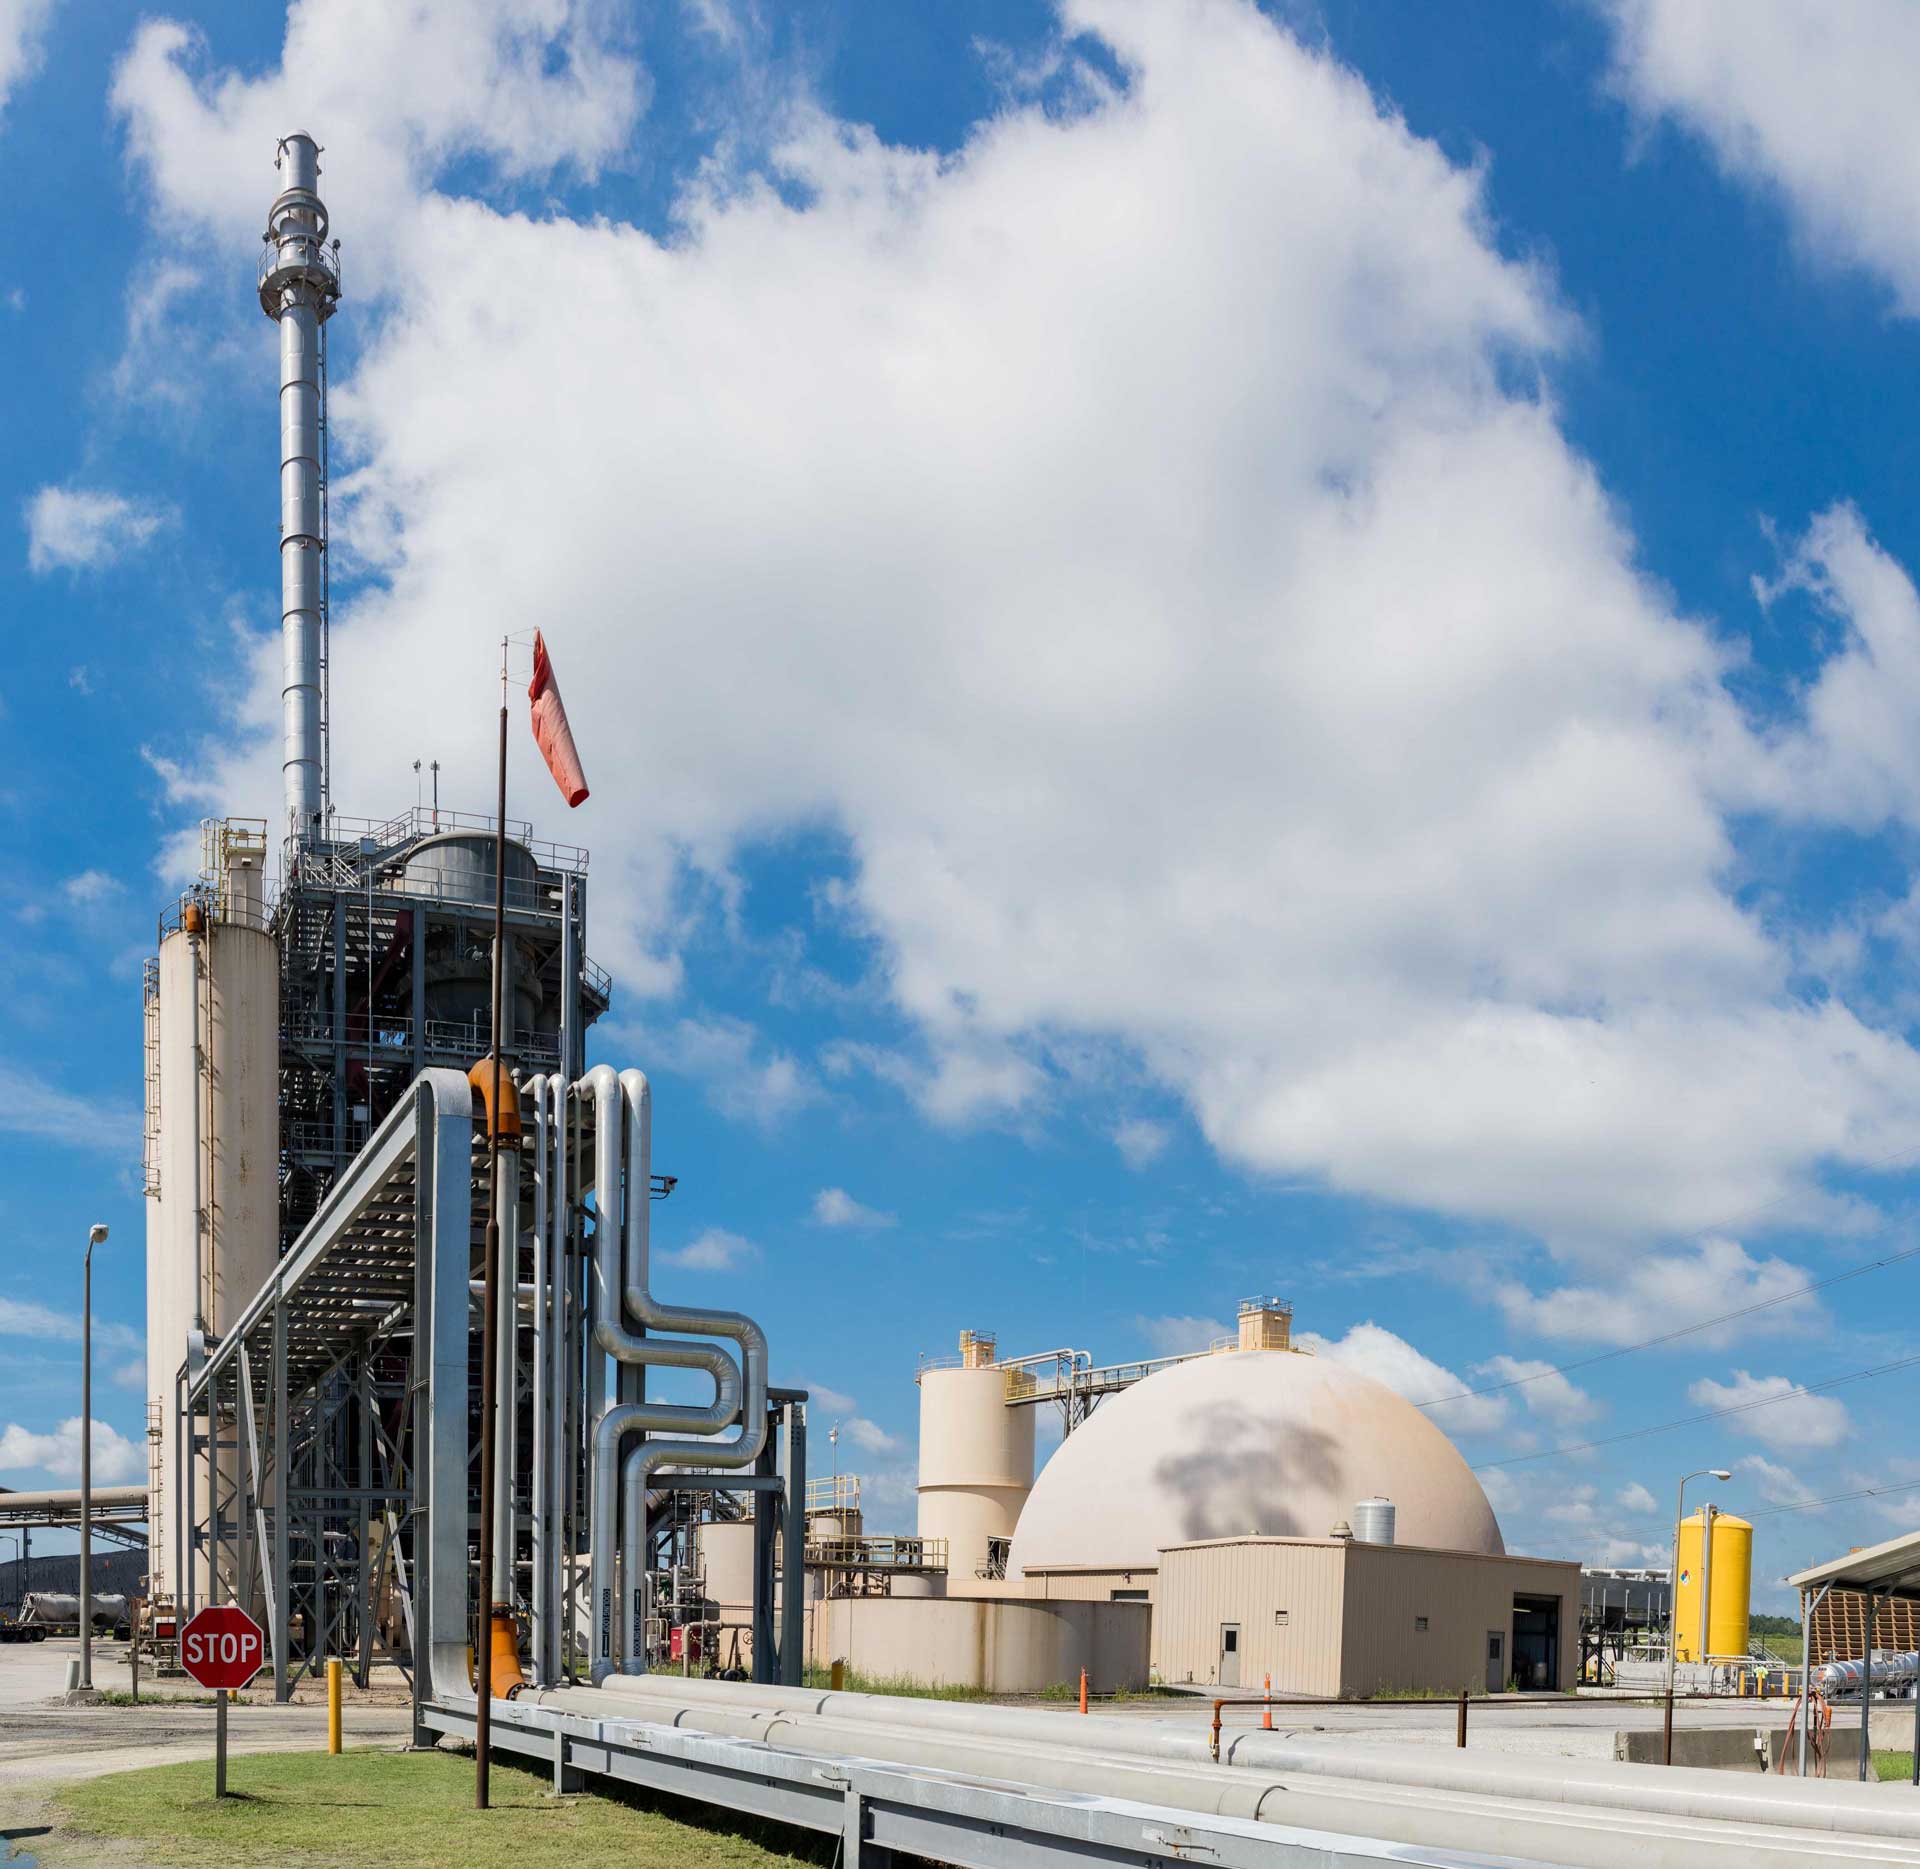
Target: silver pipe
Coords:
[(1288, 1765), (557, 1367), (506, 1380), (631, 1350), (199, 1193), (647, 1459), (299, 287), (542, 1389)]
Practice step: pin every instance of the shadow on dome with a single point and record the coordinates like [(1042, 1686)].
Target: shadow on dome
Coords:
[(1245, 1468)]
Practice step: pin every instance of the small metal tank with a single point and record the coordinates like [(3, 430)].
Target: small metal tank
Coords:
[(1373, 1521)]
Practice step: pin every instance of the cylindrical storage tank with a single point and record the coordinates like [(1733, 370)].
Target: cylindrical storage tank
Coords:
[(919, 1583), (725, 1547), (976, 1464), (213, 1223), (1373, 1521), (1713, 1592), (457, 866)]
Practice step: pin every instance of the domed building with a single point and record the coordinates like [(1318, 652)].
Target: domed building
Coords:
[(1269, 1443), (1256, 1513)]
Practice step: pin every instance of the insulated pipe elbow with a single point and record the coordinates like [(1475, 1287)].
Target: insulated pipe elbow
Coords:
[(637, 1096), (623, 1152)]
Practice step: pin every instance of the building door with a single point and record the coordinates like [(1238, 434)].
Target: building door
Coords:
[(1229, 1654), (1536, 1643), (1496, 1660)]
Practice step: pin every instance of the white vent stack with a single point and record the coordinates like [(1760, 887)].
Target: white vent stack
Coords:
[(1373, 1521), (299, 287)]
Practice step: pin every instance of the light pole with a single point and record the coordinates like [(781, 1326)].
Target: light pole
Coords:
[(96, 1236), (1673, 1584)]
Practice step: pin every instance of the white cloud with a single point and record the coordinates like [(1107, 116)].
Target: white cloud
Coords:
[(30, 1106), (868, 1436), (1375, 1351), (1802, 97), (1778, 1485), (131, 1374), (22, 23), (115, 1458), (835, 1207), (715, 1250), (1541, 1387), (1194, 451), (1789, 1418), (79, 528), (90, 887), (1677, 1289), (520, 87), (1180, 1335), (841, 1411), (1615, 1553), (742, 1077), (1633, 1497), (1141, 1142), (22, 1317)]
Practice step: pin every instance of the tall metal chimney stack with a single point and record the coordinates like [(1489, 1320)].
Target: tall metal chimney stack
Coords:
[(299, 287)]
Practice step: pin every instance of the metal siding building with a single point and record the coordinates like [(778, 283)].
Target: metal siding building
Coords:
[(1336, 1616)]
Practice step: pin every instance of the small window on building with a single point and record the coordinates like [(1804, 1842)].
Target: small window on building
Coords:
[(1420, 1623), (1127, 1596), (1279, 1618)]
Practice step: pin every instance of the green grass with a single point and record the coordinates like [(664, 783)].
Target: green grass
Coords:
[(1892, 1767), (903, 1684), (391, 1810)]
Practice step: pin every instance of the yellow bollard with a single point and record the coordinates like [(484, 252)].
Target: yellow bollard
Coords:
[(837, 1676), (333, 1705)]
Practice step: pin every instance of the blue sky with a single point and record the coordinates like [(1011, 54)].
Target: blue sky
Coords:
[(1220, 652)]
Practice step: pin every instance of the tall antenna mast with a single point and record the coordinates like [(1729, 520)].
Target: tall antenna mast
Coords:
[(299, 287)]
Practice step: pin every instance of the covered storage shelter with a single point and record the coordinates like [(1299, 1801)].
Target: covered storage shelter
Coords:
[(1877, 1575)]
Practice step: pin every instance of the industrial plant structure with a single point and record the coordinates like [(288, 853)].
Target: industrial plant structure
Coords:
[(1245, 1514), (321, 1131), (317, 1134)]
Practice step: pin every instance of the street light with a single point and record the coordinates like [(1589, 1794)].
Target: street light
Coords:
[(96, 1236), (1673, 1576)]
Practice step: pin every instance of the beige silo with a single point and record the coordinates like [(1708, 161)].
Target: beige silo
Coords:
[(976, 1458), (213, 1145)]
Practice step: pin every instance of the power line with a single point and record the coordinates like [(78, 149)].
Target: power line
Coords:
[(1673, 1336), (1833, 1499), (1712, 1414)]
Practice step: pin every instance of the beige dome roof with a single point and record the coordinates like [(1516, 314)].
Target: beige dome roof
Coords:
[(1267, 1441)]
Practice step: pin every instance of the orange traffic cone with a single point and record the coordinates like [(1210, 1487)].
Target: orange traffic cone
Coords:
[(1083, 1690)]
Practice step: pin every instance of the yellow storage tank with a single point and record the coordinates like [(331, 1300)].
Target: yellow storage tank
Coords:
[(1714, 1590)]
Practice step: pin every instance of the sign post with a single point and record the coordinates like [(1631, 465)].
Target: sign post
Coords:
[(222, 1648)]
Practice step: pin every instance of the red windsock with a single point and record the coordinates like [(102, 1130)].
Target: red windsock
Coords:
[(550, 730)]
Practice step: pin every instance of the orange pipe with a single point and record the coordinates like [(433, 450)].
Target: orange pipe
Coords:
[(507, 1678)]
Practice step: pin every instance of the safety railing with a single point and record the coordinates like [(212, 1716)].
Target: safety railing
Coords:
[(877, 1553)]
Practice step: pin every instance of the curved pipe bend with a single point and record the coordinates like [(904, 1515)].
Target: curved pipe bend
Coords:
[(623, 1137)]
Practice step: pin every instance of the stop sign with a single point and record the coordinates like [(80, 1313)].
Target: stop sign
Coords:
[(222, 1646)]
